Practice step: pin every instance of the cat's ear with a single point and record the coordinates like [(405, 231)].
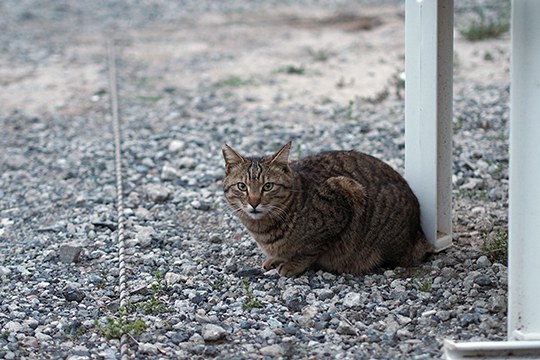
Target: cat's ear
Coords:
[(231, 157), (282, 156)]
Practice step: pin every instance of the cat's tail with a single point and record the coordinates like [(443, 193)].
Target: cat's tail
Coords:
[(350, 190)]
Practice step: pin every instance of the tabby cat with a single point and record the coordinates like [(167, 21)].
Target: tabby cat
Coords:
[(339, 211)]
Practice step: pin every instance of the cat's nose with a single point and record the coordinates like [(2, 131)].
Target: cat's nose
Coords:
[(254, 202)]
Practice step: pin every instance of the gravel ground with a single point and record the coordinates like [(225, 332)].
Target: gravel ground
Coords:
[(196, 288)]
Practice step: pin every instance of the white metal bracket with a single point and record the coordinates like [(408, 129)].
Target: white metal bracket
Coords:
[(524, 199), (492, 350), (428, 113)]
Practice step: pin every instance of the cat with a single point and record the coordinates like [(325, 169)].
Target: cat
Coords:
[(339, 211)]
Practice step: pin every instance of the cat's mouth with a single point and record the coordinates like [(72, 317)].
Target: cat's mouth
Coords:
[(255, 214)]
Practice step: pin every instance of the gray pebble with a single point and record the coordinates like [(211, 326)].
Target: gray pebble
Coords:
[(482, 280), (144, 235), (5, 271), (73, 295), (69, 253), (353, 299), (324, 294), (212, 332), (157, 193), (346, 329), (483, 262), (272, 350), (168, 173)]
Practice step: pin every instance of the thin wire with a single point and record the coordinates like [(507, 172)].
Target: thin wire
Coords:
[(124, 345)]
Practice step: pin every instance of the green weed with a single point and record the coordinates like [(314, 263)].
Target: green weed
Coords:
[(251, 302), (424, 286), (218, 284), (233, 81), (350, 110), (379, 97), (292, 70), (487, 28), (73, 332), (115, 327), (495, 246), (320, 55), (150, 98), (488, 56), (299, 150), (154, 305)]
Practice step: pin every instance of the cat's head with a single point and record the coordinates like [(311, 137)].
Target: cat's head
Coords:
[(258, 188)]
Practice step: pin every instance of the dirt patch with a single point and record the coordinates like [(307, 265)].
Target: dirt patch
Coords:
[(286, 55)]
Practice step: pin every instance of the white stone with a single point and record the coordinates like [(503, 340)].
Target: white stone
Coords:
[(483, 261), (212, 332), (144, 235), (12, 327), (352, 299), (149, 349), (5, 271), (168, 172), (176, 146), (157, 193), (173, 278)]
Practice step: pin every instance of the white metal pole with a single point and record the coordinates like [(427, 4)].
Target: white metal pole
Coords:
[(524, 212), (428, 113)]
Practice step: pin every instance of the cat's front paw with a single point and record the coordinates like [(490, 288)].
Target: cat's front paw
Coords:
[(283, 267), (271, 262), (288, 269)]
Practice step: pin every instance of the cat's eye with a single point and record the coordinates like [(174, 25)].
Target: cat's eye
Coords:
[(268, 186), (241, 186)]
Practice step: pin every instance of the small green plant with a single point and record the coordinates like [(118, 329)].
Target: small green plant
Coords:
[(251, 302), (321, 55), (350, 110), (218, 284), (120, 324), (292, 70), (233, 81), (73, 332), (115, 327), (158, 276), (299, 150), (101, 282), (459, 123), (495, 246), (487, 28), (151, 98), (397, 81), (424, 286), (154, 305), (379, 97)]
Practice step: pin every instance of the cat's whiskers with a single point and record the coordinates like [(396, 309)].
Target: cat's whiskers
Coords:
[(236, 209), (280, 213)]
